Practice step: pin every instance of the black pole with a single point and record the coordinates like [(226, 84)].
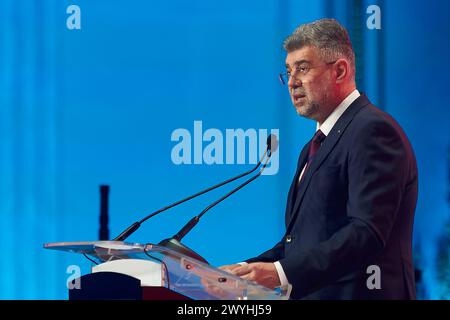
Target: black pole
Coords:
[(104, 194)]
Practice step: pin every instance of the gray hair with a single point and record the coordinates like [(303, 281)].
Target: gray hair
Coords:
[(327, 35)]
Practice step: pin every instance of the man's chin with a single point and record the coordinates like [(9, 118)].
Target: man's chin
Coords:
[(305, 112), (301, 110)]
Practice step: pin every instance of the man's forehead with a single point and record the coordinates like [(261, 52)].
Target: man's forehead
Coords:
[(306, 53)]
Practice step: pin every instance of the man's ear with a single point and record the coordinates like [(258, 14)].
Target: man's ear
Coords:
[(342, 68)]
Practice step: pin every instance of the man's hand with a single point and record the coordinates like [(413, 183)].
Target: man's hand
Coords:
[(263, 273)]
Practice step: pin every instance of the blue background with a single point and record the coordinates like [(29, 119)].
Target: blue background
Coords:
[(81, 108)]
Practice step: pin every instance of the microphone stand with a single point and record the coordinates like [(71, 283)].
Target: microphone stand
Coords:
[(175, 244), (132, 228)]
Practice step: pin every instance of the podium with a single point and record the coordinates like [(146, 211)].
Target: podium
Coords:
[(135, 271)]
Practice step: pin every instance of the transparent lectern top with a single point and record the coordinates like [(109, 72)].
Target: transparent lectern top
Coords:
[(180, 273)]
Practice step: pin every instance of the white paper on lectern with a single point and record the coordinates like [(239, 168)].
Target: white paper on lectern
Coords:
[(148, 272)]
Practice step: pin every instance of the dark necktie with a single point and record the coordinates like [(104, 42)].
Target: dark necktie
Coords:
[(315, 145), (316, 142)]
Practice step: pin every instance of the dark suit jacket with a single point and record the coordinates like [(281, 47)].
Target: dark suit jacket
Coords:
[(354, 208)]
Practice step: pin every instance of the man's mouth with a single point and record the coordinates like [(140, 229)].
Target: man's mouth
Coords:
[(297, 97)]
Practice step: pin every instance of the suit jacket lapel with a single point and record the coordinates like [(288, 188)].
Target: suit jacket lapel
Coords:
[(293, 189), (328, 145)]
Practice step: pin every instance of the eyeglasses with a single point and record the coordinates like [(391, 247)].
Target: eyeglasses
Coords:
[(302, 68)]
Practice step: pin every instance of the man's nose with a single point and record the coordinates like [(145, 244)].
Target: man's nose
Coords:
[(294, 82)]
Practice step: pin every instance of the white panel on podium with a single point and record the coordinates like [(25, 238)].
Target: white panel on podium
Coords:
[(148, 272)]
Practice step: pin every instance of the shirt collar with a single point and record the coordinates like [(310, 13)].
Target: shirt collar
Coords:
[(336, 114)]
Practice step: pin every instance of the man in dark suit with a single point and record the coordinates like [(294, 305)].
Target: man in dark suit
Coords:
[(350, 208)]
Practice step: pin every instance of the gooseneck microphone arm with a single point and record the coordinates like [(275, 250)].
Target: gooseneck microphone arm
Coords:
[(193, 222), (174, 242), (132, 228)]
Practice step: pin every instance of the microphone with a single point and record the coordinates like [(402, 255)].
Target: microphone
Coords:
[(175, 244), (132, 228)]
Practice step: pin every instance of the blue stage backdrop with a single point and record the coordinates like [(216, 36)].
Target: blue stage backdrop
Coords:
[(104, 92)]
